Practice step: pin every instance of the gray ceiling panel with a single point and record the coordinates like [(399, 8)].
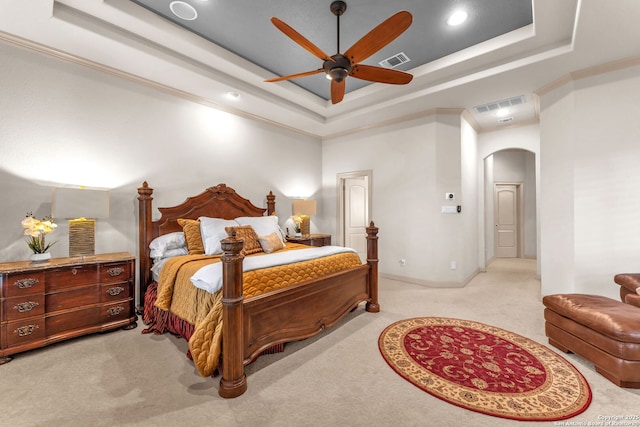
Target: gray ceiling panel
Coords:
[(244, 28)]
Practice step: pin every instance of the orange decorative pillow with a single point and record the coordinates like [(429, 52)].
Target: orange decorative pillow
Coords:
[(271, 243), (246, 233), (192, 236)]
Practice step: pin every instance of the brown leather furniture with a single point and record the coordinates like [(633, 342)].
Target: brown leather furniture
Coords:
[(602, 330)]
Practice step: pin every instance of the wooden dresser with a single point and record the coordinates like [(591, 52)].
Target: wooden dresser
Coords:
[(45, 302), (311, 239)]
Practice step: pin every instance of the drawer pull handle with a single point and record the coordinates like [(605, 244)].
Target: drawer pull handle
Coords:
[(115, 271), (74, 271), (23, 331), (115, 291), (26, 283), (26, 306), (114, 311)]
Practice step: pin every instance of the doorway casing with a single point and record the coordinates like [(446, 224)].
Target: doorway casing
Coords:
[(341, 179)]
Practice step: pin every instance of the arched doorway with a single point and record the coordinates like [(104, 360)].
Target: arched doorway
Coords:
[(510, 208)]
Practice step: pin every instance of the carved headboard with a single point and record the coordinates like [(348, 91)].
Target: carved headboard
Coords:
[(219, 201)]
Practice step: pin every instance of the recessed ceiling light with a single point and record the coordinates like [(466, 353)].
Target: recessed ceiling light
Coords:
[(183, 10), (457, 18), (233, 95)]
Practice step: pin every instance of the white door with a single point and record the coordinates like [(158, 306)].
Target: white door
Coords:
[(506, 220), (356, 213)]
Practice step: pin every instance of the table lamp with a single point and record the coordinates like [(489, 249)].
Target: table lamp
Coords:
[(303, 208), (82, 207)]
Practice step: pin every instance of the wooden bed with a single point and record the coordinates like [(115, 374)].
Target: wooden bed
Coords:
[(252, 325)]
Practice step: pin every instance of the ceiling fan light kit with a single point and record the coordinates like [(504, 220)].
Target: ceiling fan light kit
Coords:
[(339, 66)]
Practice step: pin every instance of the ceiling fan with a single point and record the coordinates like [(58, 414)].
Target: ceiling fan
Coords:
[(339, 66)]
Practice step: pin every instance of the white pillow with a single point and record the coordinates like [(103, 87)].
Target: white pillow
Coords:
[(170, 253), (263, 225), (213, 230), (160, 245)]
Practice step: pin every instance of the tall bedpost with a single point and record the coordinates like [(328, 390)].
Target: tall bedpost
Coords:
[(234, 381), (271, 203), (372, 260), (144, 233)]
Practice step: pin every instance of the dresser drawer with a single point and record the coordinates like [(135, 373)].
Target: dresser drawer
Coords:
[(23, 306), (116, 311), (72, 320), (113, 273), (22, 332), (71, 277), (70, 298), (24, 284), (115, 292)]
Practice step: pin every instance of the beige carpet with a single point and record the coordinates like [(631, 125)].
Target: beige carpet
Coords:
[(338, 378)]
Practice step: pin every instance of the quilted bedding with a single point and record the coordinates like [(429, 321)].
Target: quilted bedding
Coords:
[(202, 309)]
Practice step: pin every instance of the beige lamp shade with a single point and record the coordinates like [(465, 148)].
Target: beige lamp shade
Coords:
[(303, 208), (80, 203)]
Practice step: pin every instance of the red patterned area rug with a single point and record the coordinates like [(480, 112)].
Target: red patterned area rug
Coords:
[(485, 369)]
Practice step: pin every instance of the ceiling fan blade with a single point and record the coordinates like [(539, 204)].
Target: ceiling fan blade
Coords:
[(300, 39), (295, 76), (379, 37), (337, 91), (380, 75)]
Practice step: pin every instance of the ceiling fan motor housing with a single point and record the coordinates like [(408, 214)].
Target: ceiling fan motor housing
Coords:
[(339, 69)]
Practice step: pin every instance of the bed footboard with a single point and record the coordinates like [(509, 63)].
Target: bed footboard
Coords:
[(285, 315)]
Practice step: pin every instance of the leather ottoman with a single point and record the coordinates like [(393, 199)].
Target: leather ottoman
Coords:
[(602, 330)]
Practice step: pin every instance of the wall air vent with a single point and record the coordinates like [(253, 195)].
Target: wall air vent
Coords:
[(505, 103), (395, 60)]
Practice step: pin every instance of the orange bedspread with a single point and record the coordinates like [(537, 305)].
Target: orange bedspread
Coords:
[(202, 309)]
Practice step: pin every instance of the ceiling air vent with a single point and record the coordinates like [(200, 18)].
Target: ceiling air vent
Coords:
[(505, 103), (395, 60)]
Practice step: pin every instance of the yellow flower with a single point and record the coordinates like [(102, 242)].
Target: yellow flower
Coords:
[(297, 221), (36, 229)]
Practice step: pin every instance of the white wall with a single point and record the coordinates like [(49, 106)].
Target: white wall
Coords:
[(66, 125), (470, 215), (589, 196), (402, 158), (414, 164)]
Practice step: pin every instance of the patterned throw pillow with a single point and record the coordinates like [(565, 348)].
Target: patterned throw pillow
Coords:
[(271, 243), (246, 233), (192, 236)]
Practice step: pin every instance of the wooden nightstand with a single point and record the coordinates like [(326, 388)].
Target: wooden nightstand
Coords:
[(312, 239), (42, 303)]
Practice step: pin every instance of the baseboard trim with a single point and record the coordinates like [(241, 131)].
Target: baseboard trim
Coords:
[(431, 283)]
